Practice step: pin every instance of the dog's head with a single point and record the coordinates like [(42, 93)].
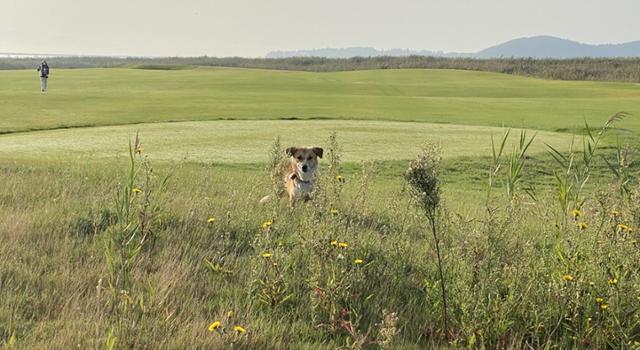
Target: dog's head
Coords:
[(305, 160)]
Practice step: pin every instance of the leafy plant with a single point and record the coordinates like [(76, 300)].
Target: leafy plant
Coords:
[(576, 170)]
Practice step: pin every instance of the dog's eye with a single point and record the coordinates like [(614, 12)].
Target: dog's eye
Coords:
[(310, 157), (299, 158)]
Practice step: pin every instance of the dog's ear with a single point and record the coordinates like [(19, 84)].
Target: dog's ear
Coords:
[(318, 151), (291, 150)]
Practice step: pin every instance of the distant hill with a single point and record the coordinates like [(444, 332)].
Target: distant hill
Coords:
[(552, 47), (535, 47)]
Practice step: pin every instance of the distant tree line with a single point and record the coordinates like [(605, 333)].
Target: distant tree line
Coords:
[(601, 69)]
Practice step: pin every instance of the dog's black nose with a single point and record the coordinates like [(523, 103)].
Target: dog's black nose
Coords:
[(304, 168)]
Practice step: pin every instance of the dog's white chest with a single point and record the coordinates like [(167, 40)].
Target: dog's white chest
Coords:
[(298, 188), (302, 188)]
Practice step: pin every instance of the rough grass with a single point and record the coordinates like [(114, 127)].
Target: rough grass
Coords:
[(504, 263), (89, 97)]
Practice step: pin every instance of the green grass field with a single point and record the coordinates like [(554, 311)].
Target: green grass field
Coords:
[(99, 251), (122, 96)]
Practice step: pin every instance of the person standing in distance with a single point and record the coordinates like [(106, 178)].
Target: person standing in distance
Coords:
[(43, 68)]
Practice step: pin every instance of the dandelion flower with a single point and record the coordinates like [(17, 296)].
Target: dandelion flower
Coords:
[(334, 211), (613, 281), (358, 261), (576, 213), (604, 306), (211, 220), (599, 300), (343, 245), (267, 224), (215, 326), (582, 225), (334, 243), (239, 329), (136, 190), (266, 255), (567, 278), (624, 228), (615, 213)]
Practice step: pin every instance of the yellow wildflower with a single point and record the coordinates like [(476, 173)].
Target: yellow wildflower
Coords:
[(343, 245), (358, 261), (334, 243), (239, 329), (339, 178), (613, 281), (229, 313), (334, 211), (211, 220), (267, 224), (214, 326), (582, 225), (136, 190), (615, 213), (576, 213), (266, 255), (624, 228), (604, 306), (599, 300), (567, 278)]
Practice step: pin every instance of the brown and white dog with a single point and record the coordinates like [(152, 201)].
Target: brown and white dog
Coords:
[(300, 173), (299, 180)]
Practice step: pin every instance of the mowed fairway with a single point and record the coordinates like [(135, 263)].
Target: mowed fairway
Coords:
[(90, 97), (242, 141)]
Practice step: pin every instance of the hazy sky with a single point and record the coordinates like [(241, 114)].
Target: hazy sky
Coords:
[(254, 27)]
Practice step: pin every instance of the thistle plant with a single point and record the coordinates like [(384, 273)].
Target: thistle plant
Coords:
[(334, 157), (422, 177), (275, 166)]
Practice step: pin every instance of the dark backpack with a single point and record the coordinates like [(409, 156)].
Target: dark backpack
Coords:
[(45, 70)]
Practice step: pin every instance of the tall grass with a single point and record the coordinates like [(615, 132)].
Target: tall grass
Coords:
[(195, 261)]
